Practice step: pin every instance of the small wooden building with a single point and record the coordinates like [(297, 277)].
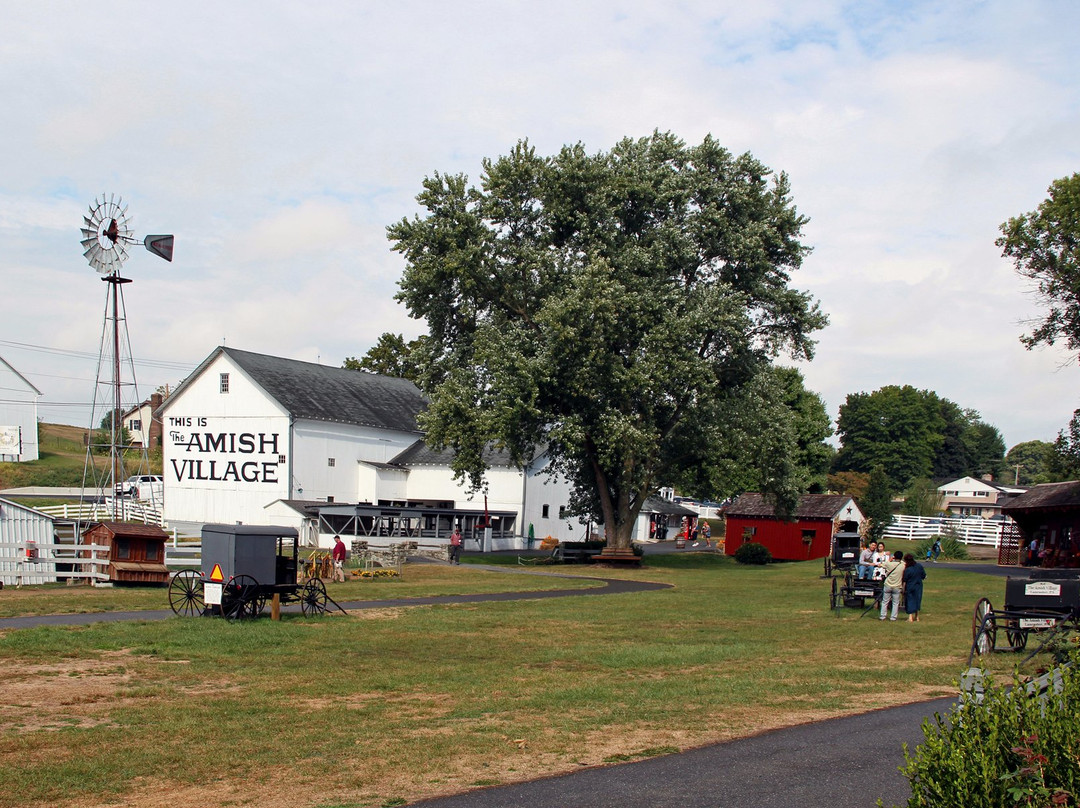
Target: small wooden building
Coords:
[(819, 516), (1047, 519), (136, 553)]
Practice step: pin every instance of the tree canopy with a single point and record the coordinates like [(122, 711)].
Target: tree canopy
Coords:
[(1030, 463), (1044, 245), (914, 434), (391, 355), (617, 310)]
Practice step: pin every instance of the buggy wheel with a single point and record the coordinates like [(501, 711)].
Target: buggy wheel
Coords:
[(986, 637), (242, 598), (186, 593), (313, 597), (833, 597), (982, 608), (1017, 636)]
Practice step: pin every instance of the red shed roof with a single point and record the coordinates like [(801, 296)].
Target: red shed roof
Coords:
[(811, 506)]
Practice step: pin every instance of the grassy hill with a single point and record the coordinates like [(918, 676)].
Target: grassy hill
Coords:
[(62, 456)]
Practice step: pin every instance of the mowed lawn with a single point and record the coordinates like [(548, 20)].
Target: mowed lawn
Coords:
[(381, 708)]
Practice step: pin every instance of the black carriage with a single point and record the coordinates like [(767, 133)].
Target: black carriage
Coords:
[(854, 592), (244, 567), (1047, 603), (844, 553)]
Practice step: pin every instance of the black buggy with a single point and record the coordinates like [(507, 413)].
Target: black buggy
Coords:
[(243, 567), (1046, 604), (844, 553)]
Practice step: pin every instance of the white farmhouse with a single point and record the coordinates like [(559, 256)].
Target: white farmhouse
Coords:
[(968, 496), (259, 439), (18, 416)]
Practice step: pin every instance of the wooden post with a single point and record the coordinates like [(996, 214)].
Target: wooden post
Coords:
[(275, 607)]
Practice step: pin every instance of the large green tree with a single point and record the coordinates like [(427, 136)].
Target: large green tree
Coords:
[(1030, 463), (914, 434), (1044, 245), (607, 307), (391, 355), (877, 504)]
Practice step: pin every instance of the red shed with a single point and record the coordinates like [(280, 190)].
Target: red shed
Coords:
[(136, 552), (818, 517)]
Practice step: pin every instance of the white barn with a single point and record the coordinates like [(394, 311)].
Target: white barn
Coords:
[(18, 416), (23, 530), (263, 440)]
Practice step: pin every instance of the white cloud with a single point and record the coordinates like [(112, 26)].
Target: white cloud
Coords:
[(277, 141)]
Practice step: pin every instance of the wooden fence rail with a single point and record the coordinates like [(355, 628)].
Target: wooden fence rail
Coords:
[(126, 510), (43, 563)]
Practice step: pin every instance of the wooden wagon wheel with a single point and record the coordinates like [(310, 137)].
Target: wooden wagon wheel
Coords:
[(1017, 636), (243, 598), (984, 627), (186, 594), (313, 597), (982, 608)]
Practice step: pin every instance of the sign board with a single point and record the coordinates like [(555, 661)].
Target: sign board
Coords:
[(1047, 588), (1037, 622), (212, 594), (10, 440)]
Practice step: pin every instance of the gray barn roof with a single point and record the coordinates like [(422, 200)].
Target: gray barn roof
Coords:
[(1046, 495), (811, 506), (420, 454), (323, 393)]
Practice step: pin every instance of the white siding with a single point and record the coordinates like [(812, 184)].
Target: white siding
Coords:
[(19, 409), (19, 525), (315, 443), (226, 455)]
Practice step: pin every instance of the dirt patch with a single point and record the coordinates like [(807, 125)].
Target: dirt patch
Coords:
[(63, 695)]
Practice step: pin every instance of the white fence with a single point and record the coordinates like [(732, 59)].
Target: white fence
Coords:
[(126, 510), (968, 531), (23, 563)]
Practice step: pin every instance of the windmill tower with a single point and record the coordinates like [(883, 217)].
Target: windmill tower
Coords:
[(110, 457)]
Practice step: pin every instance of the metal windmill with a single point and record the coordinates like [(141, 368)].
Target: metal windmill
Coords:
[(107, 234)]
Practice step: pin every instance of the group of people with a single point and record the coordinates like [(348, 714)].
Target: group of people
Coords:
[(901, 574)]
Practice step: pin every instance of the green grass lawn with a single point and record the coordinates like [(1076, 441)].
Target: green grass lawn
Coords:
[(374, 708)]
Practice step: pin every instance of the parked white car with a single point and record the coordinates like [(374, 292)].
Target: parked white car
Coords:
[(141, 486)]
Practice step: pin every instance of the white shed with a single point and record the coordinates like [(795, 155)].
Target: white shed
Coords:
[(24, 534), (18, 416)]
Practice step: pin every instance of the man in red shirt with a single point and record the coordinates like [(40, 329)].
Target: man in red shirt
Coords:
[(339, 559)]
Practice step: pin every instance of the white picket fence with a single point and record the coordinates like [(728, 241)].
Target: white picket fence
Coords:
[(22, 564), (968, 531), (120, 510)]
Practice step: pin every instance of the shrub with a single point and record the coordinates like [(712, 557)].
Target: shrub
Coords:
[(753, 553), (1009, 748), (951, 547)]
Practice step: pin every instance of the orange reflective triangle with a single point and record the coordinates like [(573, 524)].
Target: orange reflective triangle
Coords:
[(215, 574)]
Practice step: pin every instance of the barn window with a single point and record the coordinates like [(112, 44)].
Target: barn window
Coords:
[(562, 511), (748, 533), (544, 511), (152, 548), (808, 536), (122, 547), (224, 383), (330, 462)]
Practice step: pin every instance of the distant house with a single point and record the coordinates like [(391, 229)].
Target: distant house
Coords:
[(143, 425), (751, 518), (18, 416), (1048, 519), (969, 496)]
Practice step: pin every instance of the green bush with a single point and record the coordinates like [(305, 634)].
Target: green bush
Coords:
[(951, 548), (1011, 748), (753, 553)]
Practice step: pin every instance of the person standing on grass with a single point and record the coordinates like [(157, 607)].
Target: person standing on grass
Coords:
[(455, 546), (339, 559), (913, 578), (894, 579)]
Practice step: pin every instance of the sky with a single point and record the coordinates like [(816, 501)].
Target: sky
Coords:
[(278, 140)]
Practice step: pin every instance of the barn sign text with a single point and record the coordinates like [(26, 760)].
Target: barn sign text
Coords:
[(242, 457)]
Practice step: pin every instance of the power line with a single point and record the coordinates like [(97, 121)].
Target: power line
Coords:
[(156, 363)]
